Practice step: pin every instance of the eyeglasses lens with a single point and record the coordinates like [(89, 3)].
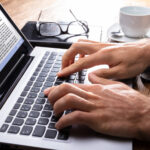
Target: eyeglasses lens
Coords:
[(76, 28), (49, 29)]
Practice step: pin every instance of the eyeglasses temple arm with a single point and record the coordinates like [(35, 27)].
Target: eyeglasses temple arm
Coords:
[(84, 25)]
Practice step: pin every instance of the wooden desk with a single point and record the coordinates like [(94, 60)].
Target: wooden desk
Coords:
[(99, 12)]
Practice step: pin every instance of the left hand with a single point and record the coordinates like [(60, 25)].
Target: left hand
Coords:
[(109, 107)]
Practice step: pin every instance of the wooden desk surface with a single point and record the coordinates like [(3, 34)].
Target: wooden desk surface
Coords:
[(99, 12)]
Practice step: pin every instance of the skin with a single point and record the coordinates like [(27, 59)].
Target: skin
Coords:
[(117, 56), (106, 106)]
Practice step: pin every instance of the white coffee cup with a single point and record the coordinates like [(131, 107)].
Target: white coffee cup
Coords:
[(135, 21)]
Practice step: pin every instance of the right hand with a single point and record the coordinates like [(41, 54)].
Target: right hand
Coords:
[(125, 60)]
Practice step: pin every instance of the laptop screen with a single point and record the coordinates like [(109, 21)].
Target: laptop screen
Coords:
[(10, 41), (13, 45)]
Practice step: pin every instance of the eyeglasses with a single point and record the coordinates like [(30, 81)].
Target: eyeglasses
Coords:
[(50, 29)]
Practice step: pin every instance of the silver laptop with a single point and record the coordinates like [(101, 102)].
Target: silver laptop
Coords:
[(26, 116)]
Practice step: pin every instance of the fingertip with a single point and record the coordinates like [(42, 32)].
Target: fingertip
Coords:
[(46, 91), (58, 126)]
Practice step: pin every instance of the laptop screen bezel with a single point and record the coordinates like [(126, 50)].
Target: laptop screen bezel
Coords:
[(25, 49)]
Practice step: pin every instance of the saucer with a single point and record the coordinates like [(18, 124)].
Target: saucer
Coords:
[(115, 28)]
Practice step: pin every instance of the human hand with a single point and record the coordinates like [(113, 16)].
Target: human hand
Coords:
[(109, 107), (125, 60)]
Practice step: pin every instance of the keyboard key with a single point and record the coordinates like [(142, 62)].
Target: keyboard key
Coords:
[(61, 79), (14, 129), (13, 112), (40, 101), (44, 87), (82, 78), (55, 69), (24, 93), (32, 78), (9, 119), (35, 73), (27, 88), (48, 66), (32, 95), (41, 95), (39, 131), (25, 107), (52, 125), (58, 83), (37, 107), (55, 118), (18, 122), (30, 121), (63, 134), (52, 57), (51, 134), (54, 53), (22, 114), (48, 107), (53, 74), (29, 101), (43, 121), (45, 69), (43, 74), (26, 130), (50, 79), (29, 83), (57, 66), (16, 106), (46, 114), (4, 127), (35, 90), (49, 61), (20, 100), (38, 84), (48, 84), (34, 114), (40, 79)]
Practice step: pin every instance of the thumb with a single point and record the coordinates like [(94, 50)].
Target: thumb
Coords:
[(111, 73), (98, 80)]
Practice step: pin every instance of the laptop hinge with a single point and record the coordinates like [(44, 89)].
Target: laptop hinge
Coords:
[(13, 77)]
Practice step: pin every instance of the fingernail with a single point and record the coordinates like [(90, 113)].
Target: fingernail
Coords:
[(57, 126), (59, 73), (46, 91)]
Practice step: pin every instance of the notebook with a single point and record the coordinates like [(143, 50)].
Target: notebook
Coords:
[(27, 119)]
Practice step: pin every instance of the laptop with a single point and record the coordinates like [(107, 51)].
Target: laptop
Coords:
[(26, 116)]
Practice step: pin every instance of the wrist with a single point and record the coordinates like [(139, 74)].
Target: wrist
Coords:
[(143, 127)]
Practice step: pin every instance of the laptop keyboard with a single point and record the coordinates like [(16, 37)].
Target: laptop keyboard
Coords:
[(32, 115)]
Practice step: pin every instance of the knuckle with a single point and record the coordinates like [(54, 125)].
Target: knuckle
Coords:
[(65, 86), (78, 115)]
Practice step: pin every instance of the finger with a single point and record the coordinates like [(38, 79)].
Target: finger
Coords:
[(72, 102), (89, 87), (111, 73), (86, 62), (66, 88), (89, 41), (82, 48), (76, 117), (46, 91), (98, 80), (77, 48)]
